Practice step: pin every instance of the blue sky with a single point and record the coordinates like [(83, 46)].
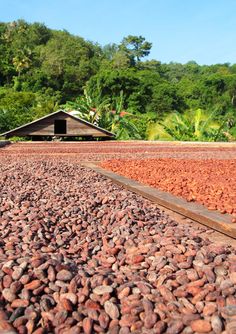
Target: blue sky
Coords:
[(180, 30)]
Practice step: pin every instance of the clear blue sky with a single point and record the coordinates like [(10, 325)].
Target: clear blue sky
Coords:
[(180, 30)]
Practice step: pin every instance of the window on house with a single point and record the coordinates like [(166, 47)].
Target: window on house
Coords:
[(59, 126)]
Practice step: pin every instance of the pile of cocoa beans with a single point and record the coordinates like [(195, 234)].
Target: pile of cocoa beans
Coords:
[(210, 182), (79, 254)]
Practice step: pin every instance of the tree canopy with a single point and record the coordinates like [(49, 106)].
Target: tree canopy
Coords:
[(41, 69)]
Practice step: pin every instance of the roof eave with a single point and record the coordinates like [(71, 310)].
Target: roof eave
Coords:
[(6, 134)]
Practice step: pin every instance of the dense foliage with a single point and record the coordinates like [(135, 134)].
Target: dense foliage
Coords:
[(42, 69)]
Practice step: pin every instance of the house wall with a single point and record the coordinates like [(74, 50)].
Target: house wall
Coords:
[(45, 127), (4, 143)]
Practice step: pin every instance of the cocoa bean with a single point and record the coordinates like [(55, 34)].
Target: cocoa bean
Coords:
[(112, 310), (201, 326)]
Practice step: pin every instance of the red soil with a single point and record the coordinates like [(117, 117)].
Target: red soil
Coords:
[(209, 182)]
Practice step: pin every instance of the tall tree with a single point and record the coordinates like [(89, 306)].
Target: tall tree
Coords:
[(68, 61), (136, 47)]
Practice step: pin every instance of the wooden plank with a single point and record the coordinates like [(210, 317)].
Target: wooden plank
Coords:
[(213, 219)]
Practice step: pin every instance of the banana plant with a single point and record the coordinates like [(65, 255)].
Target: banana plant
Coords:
[(99, 111), (88, 109), (195, 125), (123, 122)]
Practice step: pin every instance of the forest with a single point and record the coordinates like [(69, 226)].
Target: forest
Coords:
[(113, 86)]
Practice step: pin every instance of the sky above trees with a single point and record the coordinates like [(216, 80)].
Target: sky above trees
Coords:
[(179, 30)]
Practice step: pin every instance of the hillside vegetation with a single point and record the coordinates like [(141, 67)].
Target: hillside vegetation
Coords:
[(113, 86)]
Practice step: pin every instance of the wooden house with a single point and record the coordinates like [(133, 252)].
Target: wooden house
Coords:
[(59, 124)]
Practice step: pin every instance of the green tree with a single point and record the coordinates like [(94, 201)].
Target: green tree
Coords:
[(68, 61), (121, 61), (166, 98), (109, 50), (136, 47), (109, 83), (22, 40), (18, 108)]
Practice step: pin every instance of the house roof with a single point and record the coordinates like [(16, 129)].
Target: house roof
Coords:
[(57, 112)]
